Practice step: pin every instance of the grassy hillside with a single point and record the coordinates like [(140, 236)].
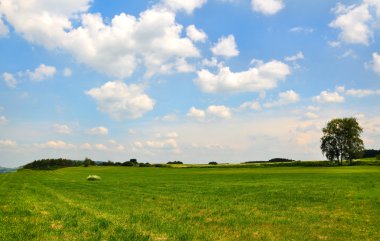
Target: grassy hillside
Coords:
[(288, 203)]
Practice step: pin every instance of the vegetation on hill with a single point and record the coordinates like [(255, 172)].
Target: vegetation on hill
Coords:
[(51, 164)]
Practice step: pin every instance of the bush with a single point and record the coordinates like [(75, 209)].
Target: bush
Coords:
[(175, 162), (213, 163), (280, 160), (93, 178)]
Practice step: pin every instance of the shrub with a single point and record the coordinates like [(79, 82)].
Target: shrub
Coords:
[(175, 162), (280, 160), (213, 163), (93, 178)]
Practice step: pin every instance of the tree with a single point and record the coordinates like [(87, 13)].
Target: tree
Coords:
[(341, 140), (88, 162)]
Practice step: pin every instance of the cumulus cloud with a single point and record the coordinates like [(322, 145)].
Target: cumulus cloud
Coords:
[(8, 143), (62, 129), (311, 115), (267, 7), (295, 57), (42, 72), (299, 29), (263, 76), (100, 130), (121, 101), (56, 145), (195, 34), (219, 111), (329, 97), (101, 147), (86, 146), (168, 142), (354, 21), (196, 113), (117, 48), (4, 31), (213, 111), (375, 63), (10, 80), (284, 98), (188, 6), (361, 92), (226, 47), (252, 105)]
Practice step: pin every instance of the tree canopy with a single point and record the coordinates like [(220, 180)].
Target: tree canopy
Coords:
[(341, 140)]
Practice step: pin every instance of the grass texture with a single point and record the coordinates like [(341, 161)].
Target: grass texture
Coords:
[(279, 203)]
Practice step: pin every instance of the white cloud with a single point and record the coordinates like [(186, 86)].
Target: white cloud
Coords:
[(219, 111), (100, 130), (182, 66), (152, 39), (4, 30), (195, 34), (196, 113), (349, 53), (311, 115), (188, 6), (263, 76), (354, 22), (86, 146), (8, 143), (267, 7), (170, 117), (67, 72), (3, 120), (62, 129), (226, 47), (334, 44), (284, 98), (329, 97), (101, 147), (121, 101), (375, 63), (10, 80), (42, 72), (362, 92), (296, 57), (56, 145), (116, 146), (299, 29), (253, 105)]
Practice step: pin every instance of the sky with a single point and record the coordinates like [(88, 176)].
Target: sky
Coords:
[(193, 81)]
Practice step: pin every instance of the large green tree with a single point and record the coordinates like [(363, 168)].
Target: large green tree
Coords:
[(341, 140)]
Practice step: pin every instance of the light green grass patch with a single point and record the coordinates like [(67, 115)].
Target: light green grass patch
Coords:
[(294, 203)]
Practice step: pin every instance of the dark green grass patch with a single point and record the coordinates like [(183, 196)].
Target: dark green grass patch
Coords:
[(289, 203)]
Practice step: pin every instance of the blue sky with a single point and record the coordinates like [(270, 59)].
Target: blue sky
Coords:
[(195, 81)]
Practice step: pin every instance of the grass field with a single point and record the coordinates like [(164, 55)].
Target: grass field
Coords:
[(288, 203)]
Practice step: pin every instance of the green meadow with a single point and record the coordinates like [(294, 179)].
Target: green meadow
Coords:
[(278, 203)]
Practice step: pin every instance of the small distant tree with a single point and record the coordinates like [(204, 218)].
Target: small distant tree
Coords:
[(134, 161), (213, 163), (88, 162), (341, 140)]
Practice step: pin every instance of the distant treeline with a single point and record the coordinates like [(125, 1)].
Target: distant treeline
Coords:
[(51, 164), (370, 153), (271, 160)]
